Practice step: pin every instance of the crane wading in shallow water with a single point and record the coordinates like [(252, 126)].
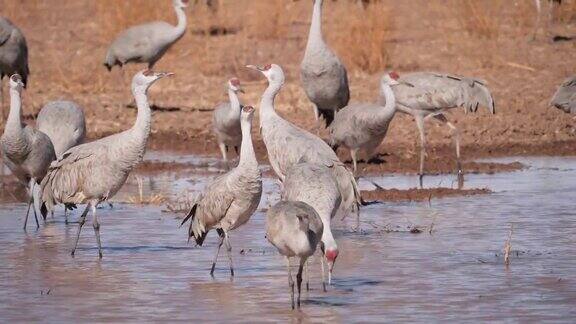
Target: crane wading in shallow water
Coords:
[(226, 120), (324, 77), (94, 172), (25, 150), (295, 229), (364, 126), (13, 56), (231, 199), (65, 124), (147, 43), (425, 95), (323, 195), (287, 144)]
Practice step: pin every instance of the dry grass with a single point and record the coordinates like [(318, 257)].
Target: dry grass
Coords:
[(566, 13), (363, 40), (479, 18), (141, 199)]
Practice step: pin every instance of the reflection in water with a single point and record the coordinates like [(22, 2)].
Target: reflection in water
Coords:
[(456, 273)]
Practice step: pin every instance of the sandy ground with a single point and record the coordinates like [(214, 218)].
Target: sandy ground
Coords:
[(68, 41)]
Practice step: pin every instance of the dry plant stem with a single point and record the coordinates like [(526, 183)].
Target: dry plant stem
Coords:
[(508, 246)]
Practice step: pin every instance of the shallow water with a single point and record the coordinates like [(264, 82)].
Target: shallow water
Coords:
[(383, 272)]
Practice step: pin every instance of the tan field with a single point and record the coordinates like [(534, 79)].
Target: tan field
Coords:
[(488, 39)]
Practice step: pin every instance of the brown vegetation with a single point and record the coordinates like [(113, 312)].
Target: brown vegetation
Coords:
[(484, 38)]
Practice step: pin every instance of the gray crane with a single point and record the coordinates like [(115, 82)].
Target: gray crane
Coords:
[(231, 199), (364, 126), (425, 95), (324, 77), (93, 172), (64, 122), (147, 43), (226, 120), (565, 96), (295, 229), (287, 144), (13, 55), (26, 151), (316, 186)]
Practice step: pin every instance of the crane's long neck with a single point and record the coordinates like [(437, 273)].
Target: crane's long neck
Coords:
[(327, 237), (141, 128), (181, 26), (267, 110), (14, 122), (234, 104), (247, 154), (390, 105), (315, 38)]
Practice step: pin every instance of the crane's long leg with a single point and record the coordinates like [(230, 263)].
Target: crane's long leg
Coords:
[(307, 276), (290, 281), (229, 251), (456, 136), (96, 226), (32, 204), (420, 124), (80, 224), (354, 155), (299, 278), (323, 273), (317, 117), (28, 212), (65, 215), (221, 235), (224, 152)]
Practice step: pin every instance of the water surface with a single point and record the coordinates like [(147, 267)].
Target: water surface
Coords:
[(383, 273)]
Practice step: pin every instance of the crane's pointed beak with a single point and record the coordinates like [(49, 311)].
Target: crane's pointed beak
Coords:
[(255, 67), (165, 74), (240, 90)]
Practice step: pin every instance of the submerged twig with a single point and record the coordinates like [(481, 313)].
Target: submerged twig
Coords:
[(508, 246)]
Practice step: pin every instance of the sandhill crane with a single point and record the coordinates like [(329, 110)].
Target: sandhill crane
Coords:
[(323, 76), (364, 126), (565, 96), (26, 151), (295, 229), (147, 43), (428, 94), (287, 144), (231, 199), (65, 124), (93, 172), (13, 54), (226, 120), (315, 185)]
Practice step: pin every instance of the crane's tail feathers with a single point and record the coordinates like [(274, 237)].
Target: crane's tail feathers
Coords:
[(191, 213), (46, 197), (328, 115), (351, 198), (477, 95), (196, 228)]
